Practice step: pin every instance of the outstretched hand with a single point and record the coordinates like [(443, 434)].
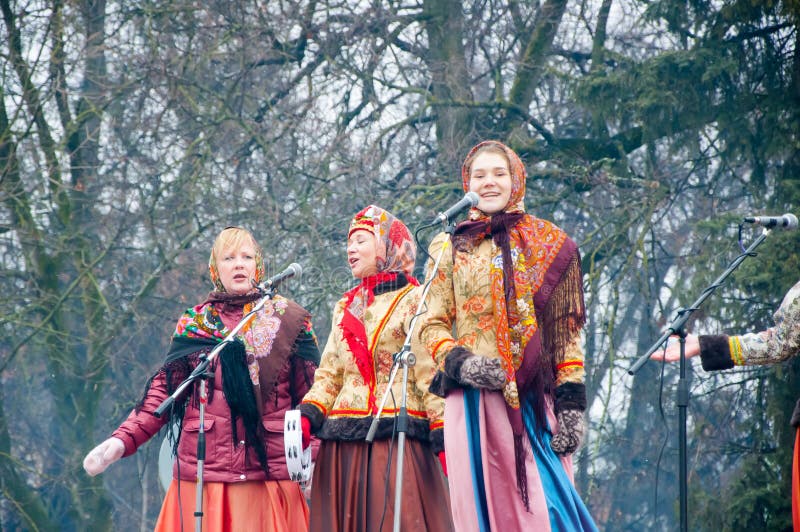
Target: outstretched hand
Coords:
[(103, 456), (673, 351)]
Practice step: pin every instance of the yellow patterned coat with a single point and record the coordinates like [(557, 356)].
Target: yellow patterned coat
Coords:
[(341, 405)]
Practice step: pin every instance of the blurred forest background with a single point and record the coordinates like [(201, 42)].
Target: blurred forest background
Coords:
[(132, 131)]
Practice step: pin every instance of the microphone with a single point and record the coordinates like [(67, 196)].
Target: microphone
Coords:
[(787, 221), (290, 271), (469, 200)]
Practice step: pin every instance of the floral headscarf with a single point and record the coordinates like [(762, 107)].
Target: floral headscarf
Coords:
[(395, 250)]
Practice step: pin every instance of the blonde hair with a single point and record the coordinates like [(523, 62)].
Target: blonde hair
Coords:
[(233, 238)]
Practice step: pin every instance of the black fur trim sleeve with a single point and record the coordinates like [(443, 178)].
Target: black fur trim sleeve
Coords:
[(437, 440), (571, 396), (453, 361), (715, 352), (314, 415), (447, 380)]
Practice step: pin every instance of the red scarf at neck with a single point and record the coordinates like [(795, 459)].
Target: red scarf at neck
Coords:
[(352, 324)]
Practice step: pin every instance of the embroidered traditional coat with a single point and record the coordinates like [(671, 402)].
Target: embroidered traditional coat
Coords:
[(343, 404), (460, 309), (771, 346)]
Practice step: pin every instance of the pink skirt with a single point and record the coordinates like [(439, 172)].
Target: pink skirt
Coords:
[(273, 505), (796, 483)]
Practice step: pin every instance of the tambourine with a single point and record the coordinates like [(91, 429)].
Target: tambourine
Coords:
[(298, 461)]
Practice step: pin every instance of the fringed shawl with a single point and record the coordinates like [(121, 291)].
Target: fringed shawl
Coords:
[(537, 295), (250, 364)]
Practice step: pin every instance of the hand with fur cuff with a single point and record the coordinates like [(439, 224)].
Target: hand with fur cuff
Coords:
[(313, 415), (571, 428), (469, 369), (570, 404)]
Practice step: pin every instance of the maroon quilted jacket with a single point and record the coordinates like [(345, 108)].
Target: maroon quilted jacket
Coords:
[(225, 460)]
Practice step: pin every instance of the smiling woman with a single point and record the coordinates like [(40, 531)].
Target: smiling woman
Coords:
[(490, 178), (503, 323)]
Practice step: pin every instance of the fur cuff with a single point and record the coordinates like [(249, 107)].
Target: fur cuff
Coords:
[(441, 384), (453, 361), (437, 440), (715, 352), (447, 380), (314, 415), (571, 396)]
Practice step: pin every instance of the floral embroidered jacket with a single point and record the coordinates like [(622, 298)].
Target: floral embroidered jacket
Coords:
[(460, 300), (771, 346), (341, 406)]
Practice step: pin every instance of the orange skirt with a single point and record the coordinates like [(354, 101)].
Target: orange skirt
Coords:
[(273, 505)]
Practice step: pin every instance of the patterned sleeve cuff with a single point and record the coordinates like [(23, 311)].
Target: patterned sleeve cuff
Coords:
[(313, 413), (571, 396), (715, 352)]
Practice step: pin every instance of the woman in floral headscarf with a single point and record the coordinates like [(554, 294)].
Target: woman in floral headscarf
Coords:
[(255, 380), (352, 489), (512, 372)]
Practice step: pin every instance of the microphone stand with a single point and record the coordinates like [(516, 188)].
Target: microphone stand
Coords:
[(678, 327), (405, 358), (201, 373)]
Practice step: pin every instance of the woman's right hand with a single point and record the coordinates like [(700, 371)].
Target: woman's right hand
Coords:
[(103, 456), (673, 351)]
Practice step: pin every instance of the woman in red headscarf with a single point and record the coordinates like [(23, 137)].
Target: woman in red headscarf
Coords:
[(503, 324), (353, 484), (256, 379)]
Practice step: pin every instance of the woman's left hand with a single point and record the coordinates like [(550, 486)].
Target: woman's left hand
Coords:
[(571, 428)]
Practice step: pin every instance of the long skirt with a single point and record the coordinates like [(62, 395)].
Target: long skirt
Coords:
[(796, 483), (483, 489), (269, 505), (352, 490)]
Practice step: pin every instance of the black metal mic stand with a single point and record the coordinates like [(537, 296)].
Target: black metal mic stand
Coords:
[(406, 358), (678, 327), (201, 373)]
